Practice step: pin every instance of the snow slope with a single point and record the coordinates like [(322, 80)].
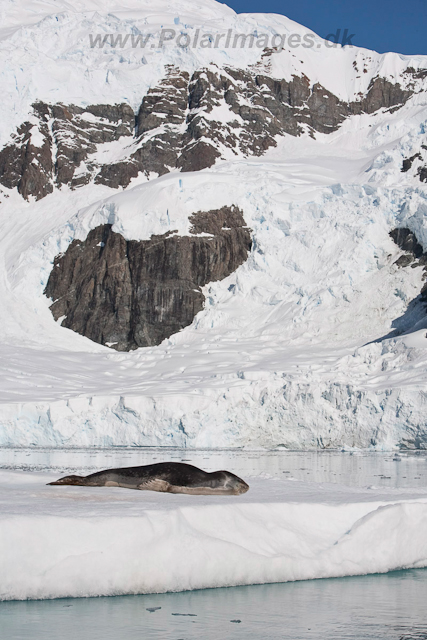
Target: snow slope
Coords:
[(288, 350), (79, 542)]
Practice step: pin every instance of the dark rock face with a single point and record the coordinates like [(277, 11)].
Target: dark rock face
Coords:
[(382, 94), (260, 108), (406, 240), (129, 294), (419, 159), (408, 162), (180, 125), (414, 256), (77, 132), (52, 152), (422, 174), (27, 163)]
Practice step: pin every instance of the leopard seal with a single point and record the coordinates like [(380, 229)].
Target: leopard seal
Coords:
[(168, 477)]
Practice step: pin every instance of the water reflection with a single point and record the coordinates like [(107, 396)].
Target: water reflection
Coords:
[(359, 468)]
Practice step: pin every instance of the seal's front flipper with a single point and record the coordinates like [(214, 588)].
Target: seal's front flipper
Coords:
[(154, 485)]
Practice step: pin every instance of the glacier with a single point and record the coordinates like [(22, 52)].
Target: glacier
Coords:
[(314, 342)]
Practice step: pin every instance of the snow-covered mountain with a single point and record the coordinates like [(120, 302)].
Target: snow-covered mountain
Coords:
[(217, 244)]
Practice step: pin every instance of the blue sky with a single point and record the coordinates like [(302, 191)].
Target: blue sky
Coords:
[(383, 25)]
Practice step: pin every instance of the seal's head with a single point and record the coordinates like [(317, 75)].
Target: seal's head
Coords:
[(74, 480), (230, 483)]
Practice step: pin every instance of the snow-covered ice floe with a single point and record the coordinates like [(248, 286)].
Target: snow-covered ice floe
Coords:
[(78, 542)]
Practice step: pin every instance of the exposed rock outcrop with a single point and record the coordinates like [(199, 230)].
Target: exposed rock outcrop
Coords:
[(259, 109), (407, 241), (417, 162), (408, 162), (27, 163), (414, 255), (129, 294), (52, 148), (183, 123)]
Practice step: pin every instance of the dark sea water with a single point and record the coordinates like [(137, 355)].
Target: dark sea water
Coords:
[(391, 606)]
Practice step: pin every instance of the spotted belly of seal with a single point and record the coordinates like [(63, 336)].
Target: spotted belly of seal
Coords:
[(168, 477)]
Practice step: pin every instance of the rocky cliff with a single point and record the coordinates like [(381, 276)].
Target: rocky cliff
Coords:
[(417, 163), (186, 122), (414, 255), (54, 146), (129, 294)]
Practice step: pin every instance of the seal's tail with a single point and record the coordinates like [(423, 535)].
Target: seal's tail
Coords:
[(73, 480)]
